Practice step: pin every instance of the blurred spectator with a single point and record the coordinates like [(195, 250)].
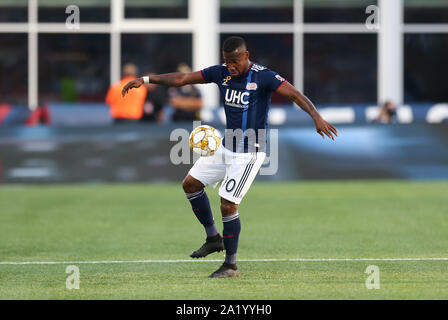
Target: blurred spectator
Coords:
[(187, 100), (5, 109), (387, 113), (41, 115), (129, 108), (68, 89), (153, 108)]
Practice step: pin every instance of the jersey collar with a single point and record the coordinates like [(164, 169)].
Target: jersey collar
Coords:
[(247, 71)]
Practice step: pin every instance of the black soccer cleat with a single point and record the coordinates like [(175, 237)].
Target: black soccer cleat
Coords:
[(212, 244), (227, 270)]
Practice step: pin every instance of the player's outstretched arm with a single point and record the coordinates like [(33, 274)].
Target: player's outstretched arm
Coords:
[(177, 79), (322, 126)]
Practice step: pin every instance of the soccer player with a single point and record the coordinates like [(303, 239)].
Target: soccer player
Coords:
[(246, 88)]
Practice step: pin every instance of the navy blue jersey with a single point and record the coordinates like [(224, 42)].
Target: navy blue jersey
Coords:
[(246, 102)]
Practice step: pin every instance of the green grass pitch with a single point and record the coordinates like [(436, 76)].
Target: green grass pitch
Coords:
[(306, 220)]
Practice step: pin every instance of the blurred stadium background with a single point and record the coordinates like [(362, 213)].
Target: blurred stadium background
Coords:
[(56, 127), (67, 172)]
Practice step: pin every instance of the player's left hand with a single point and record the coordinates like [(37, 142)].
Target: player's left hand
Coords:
[(324, 128)]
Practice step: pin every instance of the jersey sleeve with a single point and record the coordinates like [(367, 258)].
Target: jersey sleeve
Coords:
[(272, 80), (211, 74)]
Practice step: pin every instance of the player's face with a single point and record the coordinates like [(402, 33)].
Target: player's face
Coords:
[(236, 61)]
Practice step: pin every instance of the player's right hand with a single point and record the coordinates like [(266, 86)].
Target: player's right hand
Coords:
[(131, 85)]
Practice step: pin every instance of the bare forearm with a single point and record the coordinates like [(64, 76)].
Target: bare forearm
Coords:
[(306, 105), (287, 90), (322, 126), (168, 79)]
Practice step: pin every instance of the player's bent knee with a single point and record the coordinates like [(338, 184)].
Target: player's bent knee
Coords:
[(191, 185), (228, 207)]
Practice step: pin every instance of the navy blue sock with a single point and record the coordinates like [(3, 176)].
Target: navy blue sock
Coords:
[(201, 208), (230, 234)]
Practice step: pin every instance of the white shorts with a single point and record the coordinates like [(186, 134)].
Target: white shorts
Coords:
[(237, 170)]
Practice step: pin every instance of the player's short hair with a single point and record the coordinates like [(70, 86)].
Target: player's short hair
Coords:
[(233, 43)]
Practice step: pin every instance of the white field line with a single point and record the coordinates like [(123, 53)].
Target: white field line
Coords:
[(220, 260)]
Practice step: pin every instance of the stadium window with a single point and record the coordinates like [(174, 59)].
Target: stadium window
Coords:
[(74, 67), (156, 9), (425, 67), (159, 53), (14, 64), (341, 11), (274, 51), (90, 11), (428, 11), (341, 68), (14, 11), (249, 11)]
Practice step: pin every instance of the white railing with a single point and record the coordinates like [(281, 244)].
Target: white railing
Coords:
[(204, 24)]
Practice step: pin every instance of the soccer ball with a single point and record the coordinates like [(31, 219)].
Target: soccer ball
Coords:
[(205, 140)]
